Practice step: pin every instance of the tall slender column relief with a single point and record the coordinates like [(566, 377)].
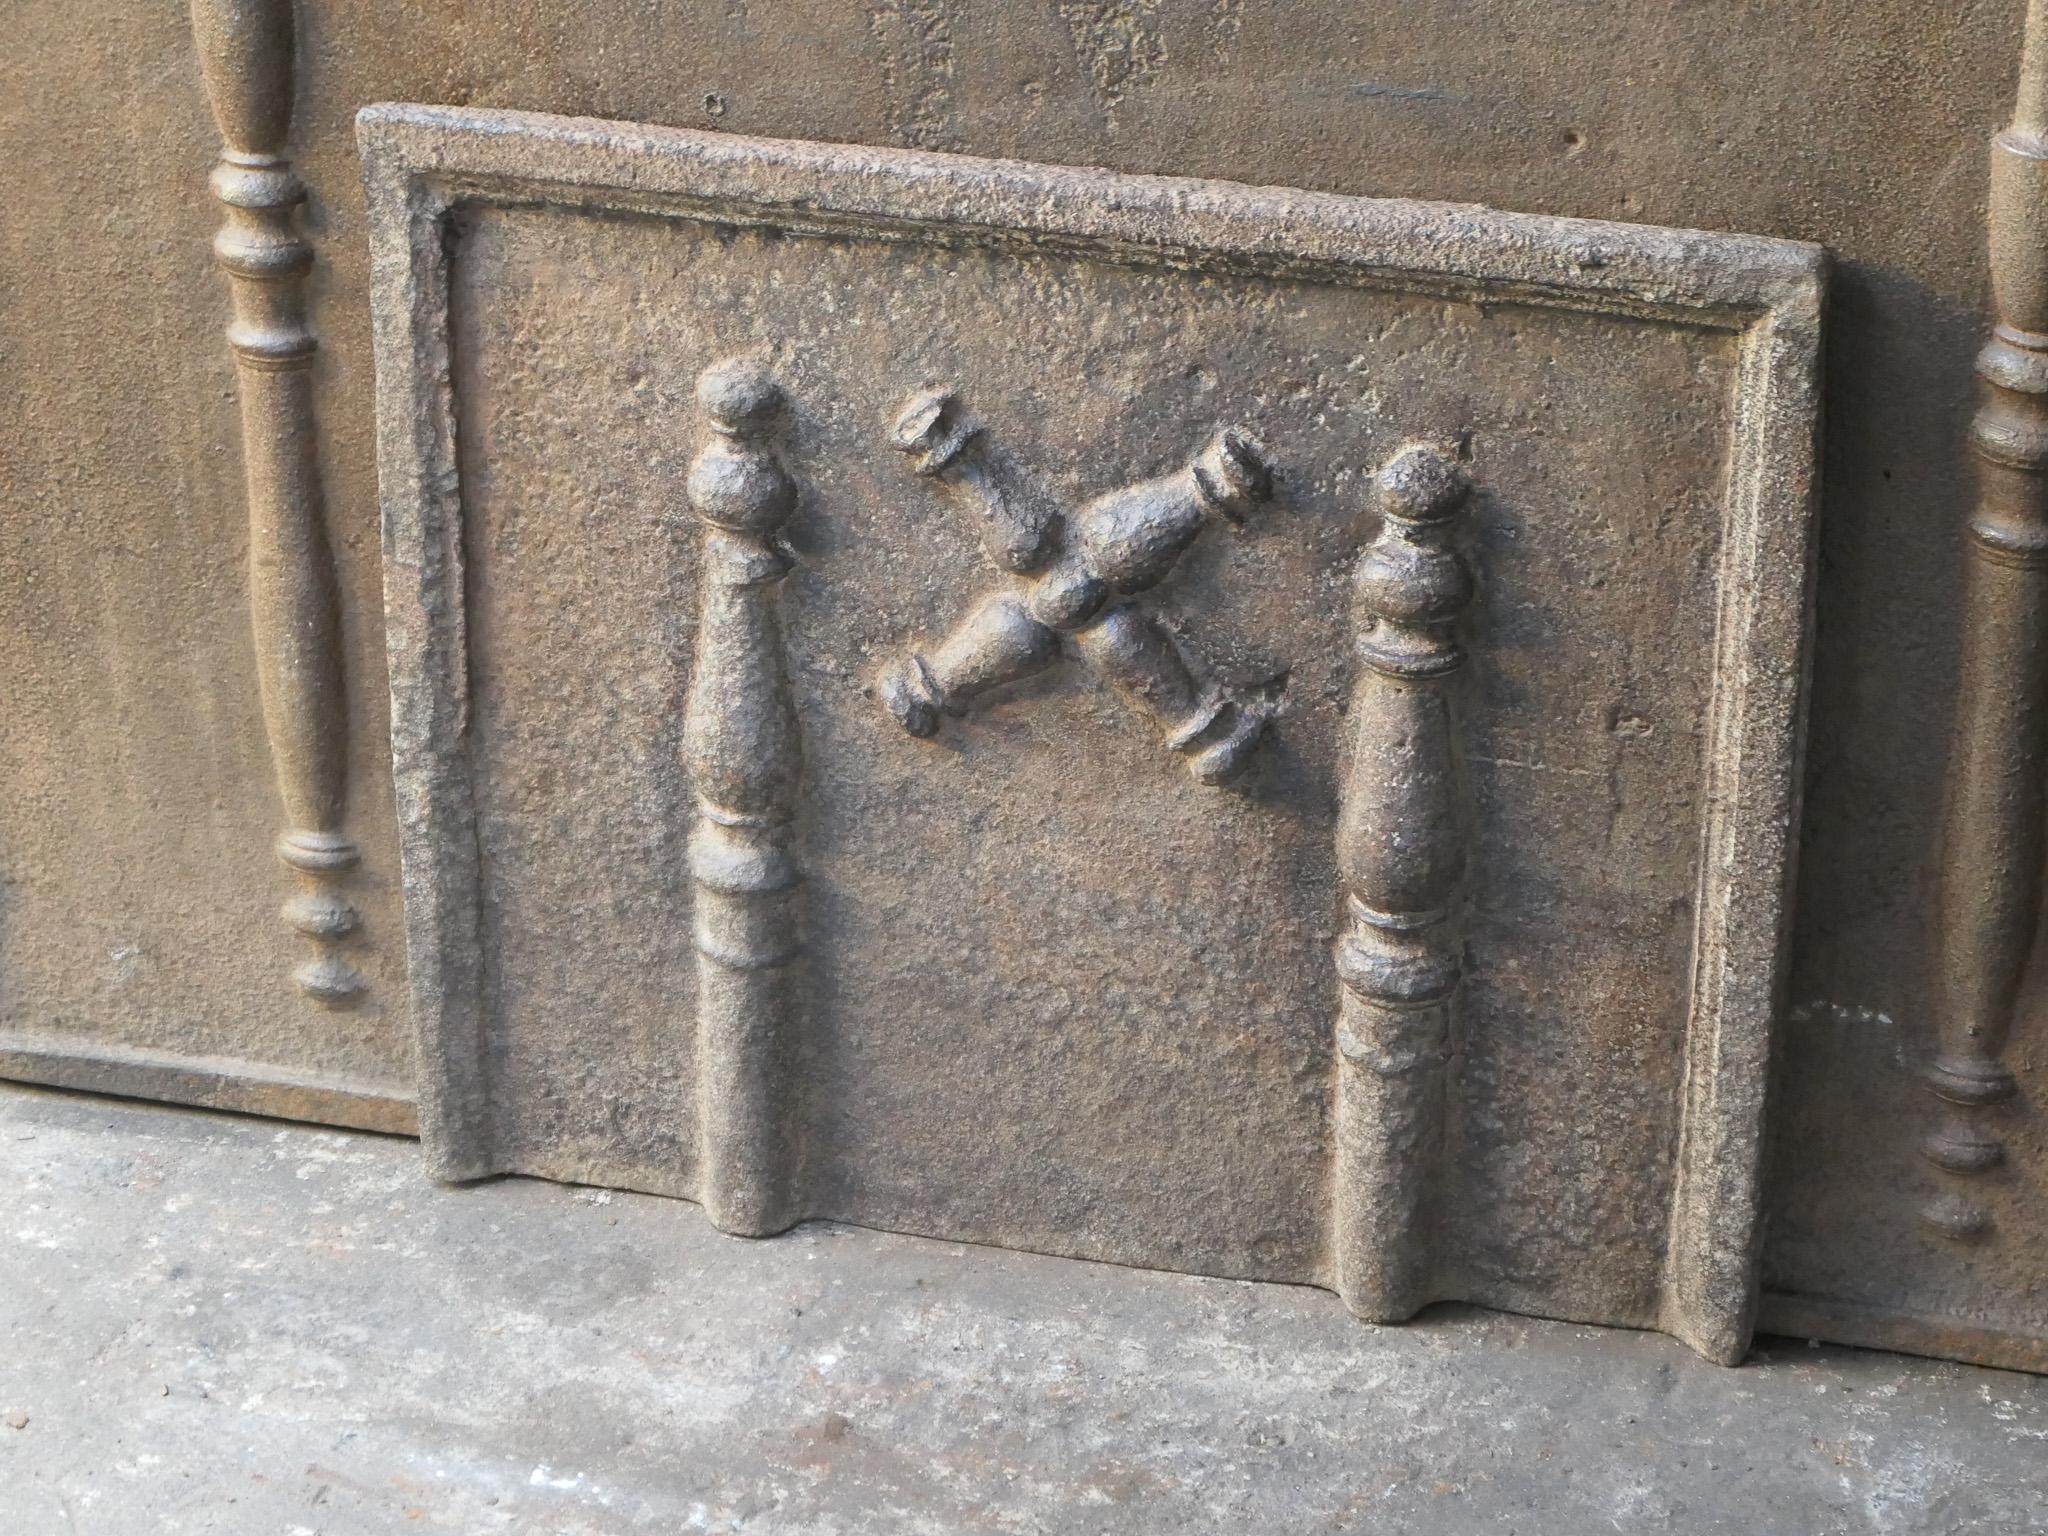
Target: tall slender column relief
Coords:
[(1998, 765), (745, 757), (245, 54), (1401, 851)]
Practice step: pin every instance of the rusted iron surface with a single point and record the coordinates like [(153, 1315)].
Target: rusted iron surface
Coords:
[(145, 788), (1059, 989)]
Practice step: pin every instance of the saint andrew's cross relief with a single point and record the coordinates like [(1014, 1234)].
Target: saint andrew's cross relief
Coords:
[(1084, 574)]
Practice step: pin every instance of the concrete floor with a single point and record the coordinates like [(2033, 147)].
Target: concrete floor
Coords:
[(225, 1325)]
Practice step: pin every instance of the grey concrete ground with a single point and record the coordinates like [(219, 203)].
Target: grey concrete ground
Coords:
[(225, 1325)]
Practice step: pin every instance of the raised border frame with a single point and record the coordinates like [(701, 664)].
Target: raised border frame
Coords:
[(420, 162)]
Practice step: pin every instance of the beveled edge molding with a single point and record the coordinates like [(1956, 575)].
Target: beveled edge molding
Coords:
[(1997, 791), (1694, 278), (1403, 830), (420, 163), (245, 55), (1867, 1327), (209, 1082)]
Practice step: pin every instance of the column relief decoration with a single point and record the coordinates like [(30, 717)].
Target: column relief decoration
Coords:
[(1401, 838), (1998, 774), (245, 54), (744, 753)]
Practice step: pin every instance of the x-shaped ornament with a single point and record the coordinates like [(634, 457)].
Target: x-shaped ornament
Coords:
[(1082, 574)]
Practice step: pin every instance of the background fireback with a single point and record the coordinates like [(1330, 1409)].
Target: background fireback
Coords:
[(139, 944)]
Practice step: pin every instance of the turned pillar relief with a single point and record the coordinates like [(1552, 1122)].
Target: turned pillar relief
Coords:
[(1992, 837), (1084, 574), (744, 755), (1401, 838), (245, 54)]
